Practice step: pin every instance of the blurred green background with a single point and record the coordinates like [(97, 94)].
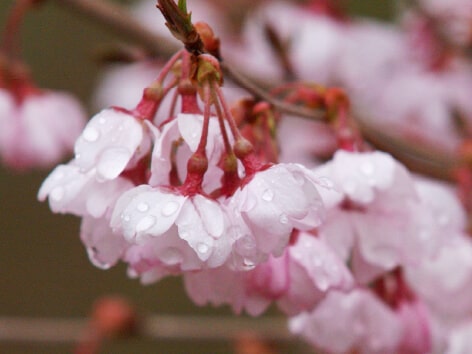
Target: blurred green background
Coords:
[(44, 270)]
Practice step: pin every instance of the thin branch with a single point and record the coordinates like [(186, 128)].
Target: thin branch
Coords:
[(427, 160), (157, 327), (117, 20)]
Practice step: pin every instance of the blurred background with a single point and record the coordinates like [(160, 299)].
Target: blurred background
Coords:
[(44, 269)]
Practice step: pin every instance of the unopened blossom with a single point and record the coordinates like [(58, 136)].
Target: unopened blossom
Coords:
[(354, 321), (39, 129), (377, 216)]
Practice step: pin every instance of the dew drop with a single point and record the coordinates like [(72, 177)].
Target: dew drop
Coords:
[(248, 264), (57, 194), (125, 217), (145, 223), (58, 175), (268, 195), (350, 186), (283, 219), (322, 282), (171, 256), (325, 182), (142, 207), (90, 134), (203, 248), (102, 120), (299, 179), (94, 257), (170, 208), (367, 168)]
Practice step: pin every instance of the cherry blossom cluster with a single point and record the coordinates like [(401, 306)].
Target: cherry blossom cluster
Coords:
[(38, 127), (253, 208)]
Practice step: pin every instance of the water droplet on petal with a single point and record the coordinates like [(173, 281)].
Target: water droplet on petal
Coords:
[(93, 255), (170, 208), (171, 256), (57, 194), (203, 248), (283, 219), (367, 168), (325, 182), (90, 134), (102, 120), (299, 179), (322, 282), (112, 162), (125, 217), (58, 175), (145, 223), (142, 207), (350, 186), (268, 195), (248, 264)]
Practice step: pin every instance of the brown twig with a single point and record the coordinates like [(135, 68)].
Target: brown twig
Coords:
[(157, 327)]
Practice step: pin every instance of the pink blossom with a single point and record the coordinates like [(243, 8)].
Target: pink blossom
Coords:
[(252, 291), (104, 247), (446, 277), (40, 130), (144, 213), (111, 140), (72, 191), (277, 200), (354, 321), (460, 340), (378, 217), (314, 270)]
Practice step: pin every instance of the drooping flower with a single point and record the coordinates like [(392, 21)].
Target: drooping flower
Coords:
[(378, 218), (39, 129)]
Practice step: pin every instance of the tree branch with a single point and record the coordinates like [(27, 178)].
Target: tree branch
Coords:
[(157, 327)]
